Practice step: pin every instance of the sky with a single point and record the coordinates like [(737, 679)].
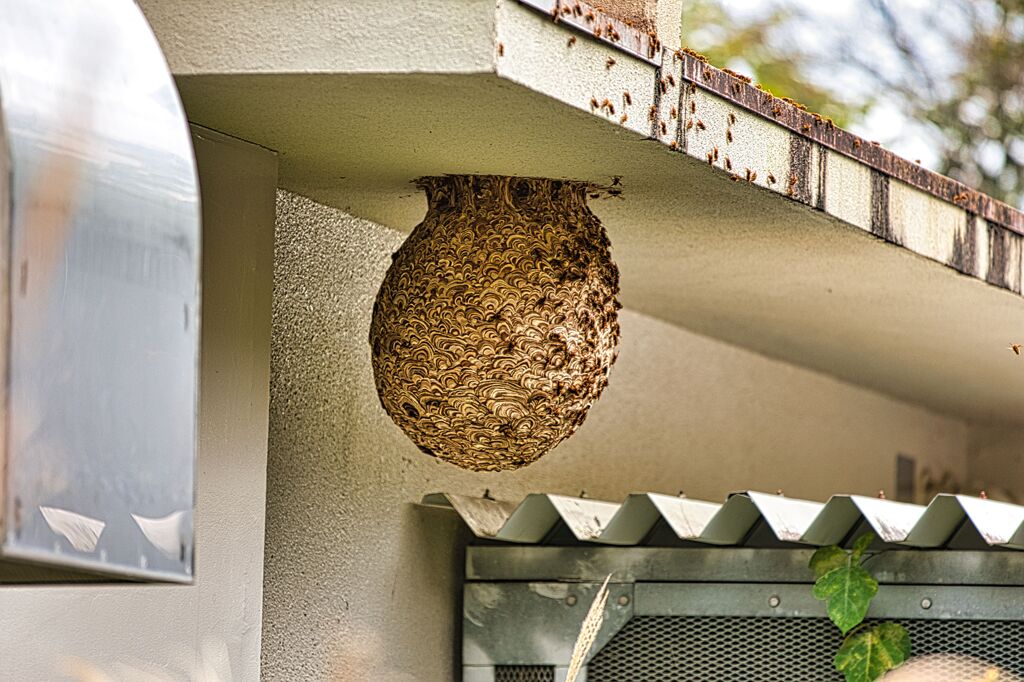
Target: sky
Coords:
[(823, 21)]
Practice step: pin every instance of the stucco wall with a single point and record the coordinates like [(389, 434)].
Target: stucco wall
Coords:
[(362, 585), (211, 630)]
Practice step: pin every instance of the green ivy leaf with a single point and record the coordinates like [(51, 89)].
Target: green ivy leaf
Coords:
[(848, 590), (868, 654), (861, 544), (827, 559)]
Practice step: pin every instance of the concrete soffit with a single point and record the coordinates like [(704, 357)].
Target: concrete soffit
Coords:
[(742, 216)]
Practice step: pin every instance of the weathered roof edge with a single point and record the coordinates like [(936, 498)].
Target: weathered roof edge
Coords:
[(646, 46)]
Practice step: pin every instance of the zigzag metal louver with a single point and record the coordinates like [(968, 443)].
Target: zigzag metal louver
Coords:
[(948, 521)]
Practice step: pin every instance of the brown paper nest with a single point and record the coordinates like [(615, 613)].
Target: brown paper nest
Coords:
[(497, 323)]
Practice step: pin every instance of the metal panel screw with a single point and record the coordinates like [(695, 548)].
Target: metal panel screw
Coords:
[(571, 600), (623, 600), (926, 603), (774, 601)]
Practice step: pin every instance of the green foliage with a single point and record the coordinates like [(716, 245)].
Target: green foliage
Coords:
[(827, 559), (868, 654), (751, 45), (848, 591), (847, 588)]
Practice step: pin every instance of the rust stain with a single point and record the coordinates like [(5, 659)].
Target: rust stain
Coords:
[(965, 257), (1003, 258), (822, 175), (800, 168), (881, 226)]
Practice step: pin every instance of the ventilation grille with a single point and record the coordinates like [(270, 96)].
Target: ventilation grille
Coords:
[(677, 648), (524, 673)]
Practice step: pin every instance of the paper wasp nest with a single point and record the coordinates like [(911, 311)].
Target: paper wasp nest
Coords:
[(497, 323)]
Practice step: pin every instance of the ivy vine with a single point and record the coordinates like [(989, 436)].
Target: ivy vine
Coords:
[(847, 588)]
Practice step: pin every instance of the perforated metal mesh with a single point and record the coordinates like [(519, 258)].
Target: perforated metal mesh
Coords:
[(524, 673), (725, 649)]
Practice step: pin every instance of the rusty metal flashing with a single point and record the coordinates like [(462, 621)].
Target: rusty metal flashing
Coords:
[(808, 125), (821, 130)]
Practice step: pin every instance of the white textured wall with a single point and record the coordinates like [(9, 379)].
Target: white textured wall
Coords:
[(361, 585), (209, 631)]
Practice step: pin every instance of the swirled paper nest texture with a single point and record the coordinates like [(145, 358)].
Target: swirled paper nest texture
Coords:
[(497, 323)]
